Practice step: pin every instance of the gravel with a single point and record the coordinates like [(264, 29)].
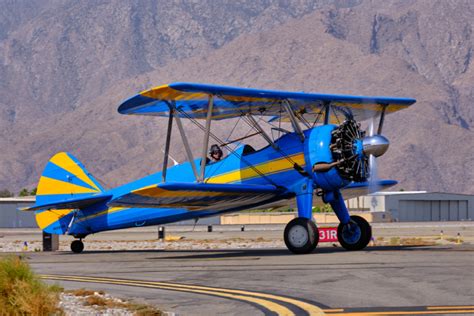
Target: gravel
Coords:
[(75, 305)]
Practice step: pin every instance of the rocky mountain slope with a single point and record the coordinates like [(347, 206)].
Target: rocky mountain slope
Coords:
[(65, 67)]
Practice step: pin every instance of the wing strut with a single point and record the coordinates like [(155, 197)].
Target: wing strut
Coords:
[(382, 118), (327, 112), (186, 145), (261, 131), (167, 145), (205, 141), (294, 121)]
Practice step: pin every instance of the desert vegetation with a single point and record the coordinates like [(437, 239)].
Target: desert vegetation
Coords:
[(23, 293)]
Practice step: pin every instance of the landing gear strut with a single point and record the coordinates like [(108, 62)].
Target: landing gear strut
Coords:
[(301, 235), (77, 246), (354, 235)]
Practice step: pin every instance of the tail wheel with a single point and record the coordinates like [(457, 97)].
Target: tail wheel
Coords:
[(354, 235), (301, 235), (77, 246)]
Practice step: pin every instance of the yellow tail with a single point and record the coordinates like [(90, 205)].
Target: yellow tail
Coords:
[(63, 178)]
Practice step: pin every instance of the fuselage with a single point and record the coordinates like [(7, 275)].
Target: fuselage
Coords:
[(244, 165)]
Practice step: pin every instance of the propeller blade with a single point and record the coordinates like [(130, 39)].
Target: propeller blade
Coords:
[(373, 175), (371, 127)]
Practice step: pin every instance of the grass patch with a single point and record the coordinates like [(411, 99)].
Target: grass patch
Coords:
[(143, 310), (416, 241), (394, 241), (23, 293), (173, 238), (99, 301), (454, 239), (83, 292), (412, 241)]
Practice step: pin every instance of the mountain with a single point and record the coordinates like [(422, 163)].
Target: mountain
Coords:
[(66, 66)]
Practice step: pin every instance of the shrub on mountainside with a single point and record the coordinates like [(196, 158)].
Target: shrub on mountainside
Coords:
[(5, 193)]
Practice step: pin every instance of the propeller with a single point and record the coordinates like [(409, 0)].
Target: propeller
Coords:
[(355, 152)]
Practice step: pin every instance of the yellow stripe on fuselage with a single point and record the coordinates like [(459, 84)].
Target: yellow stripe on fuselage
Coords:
[(64, 161), (48, 186), (162, 193), (266, 168), (107, 211), (44, 219)]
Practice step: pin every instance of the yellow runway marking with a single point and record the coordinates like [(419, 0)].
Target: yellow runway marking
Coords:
[(261, 299), (435, 310), (450, 307), (458, 311), (269, 302)]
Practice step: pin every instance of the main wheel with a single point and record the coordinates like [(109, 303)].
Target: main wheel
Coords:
[(354, 235), (77, 246), (301, 235)]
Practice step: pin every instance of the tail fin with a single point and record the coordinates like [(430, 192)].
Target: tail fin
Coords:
[(63, 178)]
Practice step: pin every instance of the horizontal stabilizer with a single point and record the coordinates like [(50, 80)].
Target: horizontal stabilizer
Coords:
[(75, 203), (197, 196)]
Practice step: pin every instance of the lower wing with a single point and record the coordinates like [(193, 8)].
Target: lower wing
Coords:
[(198, 196), (356, 189)]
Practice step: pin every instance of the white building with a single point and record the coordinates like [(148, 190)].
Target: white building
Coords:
[(11, 217), (417, 206)]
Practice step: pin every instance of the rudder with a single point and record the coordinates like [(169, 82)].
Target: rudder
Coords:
[(64, 177)]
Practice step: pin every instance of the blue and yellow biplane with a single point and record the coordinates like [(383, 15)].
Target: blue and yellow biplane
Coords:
[(324, 155)]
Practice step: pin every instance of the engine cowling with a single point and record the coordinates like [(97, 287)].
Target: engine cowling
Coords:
[(347, 147), (340, 154)]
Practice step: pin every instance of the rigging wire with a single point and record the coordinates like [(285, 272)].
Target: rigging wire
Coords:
[(284, 154), (316, 120), (217, 139), (233, 128), (235, 145)]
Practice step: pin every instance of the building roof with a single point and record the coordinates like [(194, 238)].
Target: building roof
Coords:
[(398, 192), (17, 199)]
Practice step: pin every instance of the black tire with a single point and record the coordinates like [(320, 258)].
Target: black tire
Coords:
[(298, 227), (77, 246), (361, 241)]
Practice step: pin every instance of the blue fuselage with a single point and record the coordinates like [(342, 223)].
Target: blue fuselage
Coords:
[(245, 165)]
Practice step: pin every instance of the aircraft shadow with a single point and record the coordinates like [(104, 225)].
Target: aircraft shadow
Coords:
[(249, 253), (242, 253)]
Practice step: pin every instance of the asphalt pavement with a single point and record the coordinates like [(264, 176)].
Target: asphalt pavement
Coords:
[(380, 279)]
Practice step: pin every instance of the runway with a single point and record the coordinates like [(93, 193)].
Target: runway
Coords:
[(434, 280), (269, 304)]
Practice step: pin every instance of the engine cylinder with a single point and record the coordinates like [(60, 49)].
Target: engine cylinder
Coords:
[(347, 147)]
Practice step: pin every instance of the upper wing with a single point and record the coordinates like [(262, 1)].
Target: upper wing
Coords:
[(197, 196), (191, 100)]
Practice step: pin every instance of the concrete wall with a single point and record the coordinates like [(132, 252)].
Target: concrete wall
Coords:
[(284, 218), (256, 218), (214, 220)]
